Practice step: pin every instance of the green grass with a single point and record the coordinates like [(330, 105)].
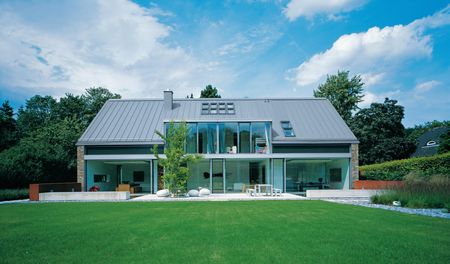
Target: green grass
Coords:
[(13, 194), (218, 232)]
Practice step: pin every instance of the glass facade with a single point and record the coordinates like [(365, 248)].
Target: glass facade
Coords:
[(207, 138), (228, 137), (191, 140), (306, 174), (244, 138)]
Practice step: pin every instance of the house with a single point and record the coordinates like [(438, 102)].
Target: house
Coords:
[(427, 144), (292, 144)]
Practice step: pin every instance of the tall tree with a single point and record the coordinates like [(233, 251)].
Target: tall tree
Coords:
[(381, 133), (343, 93), (209, 92), (95, 98), (8, 127), (71, 106), (38, 112), (176, 172)]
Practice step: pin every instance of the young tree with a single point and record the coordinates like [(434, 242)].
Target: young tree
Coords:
[(209, 92), (381, 133), (8, 128), (343, 93), (176, 172)]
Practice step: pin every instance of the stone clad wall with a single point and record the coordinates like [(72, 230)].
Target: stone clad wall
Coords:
[(354, 163), (80, 166)]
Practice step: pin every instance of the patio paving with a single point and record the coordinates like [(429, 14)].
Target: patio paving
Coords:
[(218, 197)]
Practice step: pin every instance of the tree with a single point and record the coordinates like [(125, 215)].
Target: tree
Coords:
[(8, 127), (71, 106), (176, 172), (38, 112), (47, 154), (344, 94), (381, 133), (418, 130), (95, 98), (209, 92), (444, 145)]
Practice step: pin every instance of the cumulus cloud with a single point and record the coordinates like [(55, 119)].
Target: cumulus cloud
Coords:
[(311, 8), (374, 52), (72, 45)]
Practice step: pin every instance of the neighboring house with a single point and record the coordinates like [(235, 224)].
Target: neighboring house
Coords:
[(428, 143), (293, 144)]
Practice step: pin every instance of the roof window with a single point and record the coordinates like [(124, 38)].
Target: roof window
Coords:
[(287, 129), (221, 108), (431, 143)]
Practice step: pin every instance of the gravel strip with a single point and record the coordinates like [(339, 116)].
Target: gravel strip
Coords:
[(367, 203)]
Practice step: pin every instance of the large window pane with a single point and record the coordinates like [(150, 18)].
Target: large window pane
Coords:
[(207, 138), (244, 137), (228, 137), (199, 175), (259, 141), (217, 176), (302, 174), (191, 140), (245, 173), (278, 173)]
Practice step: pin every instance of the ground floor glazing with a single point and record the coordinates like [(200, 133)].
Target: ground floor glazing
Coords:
[(293, 175)]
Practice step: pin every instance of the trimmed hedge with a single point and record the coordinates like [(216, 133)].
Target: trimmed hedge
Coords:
[(13, 194), (397, 169)]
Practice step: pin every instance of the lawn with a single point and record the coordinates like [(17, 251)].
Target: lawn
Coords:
[(221, 232)]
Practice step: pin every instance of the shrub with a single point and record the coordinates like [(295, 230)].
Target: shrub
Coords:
[(13, 194), (398, 169), (418, 192)]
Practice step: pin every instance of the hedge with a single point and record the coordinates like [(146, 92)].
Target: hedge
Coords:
[(397, 169)]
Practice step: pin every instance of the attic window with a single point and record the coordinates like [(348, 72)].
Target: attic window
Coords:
[(431, 143), (221, 108), (287, 129)]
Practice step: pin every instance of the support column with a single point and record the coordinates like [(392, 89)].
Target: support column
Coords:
[(81, 167), (354, 164)]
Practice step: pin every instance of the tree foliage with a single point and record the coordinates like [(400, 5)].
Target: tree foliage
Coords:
[(8, 127), (418, 130), (49, 129), (381, 133), (444, 145), (209, 92), (176, 172), (47, 154), (343, 93)]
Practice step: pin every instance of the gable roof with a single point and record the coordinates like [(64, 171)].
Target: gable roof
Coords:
[(130, 122)]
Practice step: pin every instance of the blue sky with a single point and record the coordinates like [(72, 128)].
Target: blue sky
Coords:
[(244, 48)]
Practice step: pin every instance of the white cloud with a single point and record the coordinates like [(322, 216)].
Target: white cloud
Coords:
[(426, 86), (370, 97), (375, 51), (254, 39), (371, 79), (116, 44), (311, 8)]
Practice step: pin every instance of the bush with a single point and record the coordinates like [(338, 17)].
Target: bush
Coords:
[(398, 169), (418, 192), (13, 194)]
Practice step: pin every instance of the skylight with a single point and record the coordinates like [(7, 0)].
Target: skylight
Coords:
[(287, 129), (218, 108)]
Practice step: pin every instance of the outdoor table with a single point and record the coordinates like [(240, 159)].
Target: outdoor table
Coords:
[(268, 189)]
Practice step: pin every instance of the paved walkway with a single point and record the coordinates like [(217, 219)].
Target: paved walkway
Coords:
[(219, 197)]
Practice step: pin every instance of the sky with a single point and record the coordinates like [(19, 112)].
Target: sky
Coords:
[(252, 49)]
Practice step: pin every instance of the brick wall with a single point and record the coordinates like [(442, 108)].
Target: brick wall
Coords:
[(80, 166)]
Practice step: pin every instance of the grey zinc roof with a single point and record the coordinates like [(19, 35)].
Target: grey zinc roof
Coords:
[(129, 122)]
